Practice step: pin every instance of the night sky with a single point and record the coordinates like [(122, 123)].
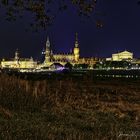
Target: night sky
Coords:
[(121, 31)]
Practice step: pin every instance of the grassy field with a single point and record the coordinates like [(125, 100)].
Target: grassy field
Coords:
[(69, 108)]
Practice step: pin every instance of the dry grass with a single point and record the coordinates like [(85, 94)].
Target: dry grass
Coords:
[(67, 108)]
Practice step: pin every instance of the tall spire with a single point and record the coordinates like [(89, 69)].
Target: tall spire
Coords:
[(17, 54), (76, 40), (48, 43), (76, 49), (47, 52)]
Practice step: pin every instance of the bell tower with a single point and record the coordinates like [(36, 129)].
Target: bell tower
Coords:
[(76, 49), (17, 55), (47, 52)]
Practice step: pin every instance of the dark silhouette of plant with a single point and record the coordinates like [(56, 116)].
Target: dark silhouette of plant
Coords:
[(44, 11), (68, 65)]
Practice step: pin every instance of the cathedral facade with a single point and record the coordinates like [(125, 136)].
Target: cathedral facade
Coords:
[(50, 58)]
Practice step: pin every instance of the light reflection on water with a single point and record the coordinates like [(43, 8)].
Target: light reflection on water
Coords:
[(118, 76)]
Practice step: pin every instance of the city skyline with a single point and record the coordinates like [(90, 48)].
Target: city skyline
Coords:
[(60, 53), (120, 32)]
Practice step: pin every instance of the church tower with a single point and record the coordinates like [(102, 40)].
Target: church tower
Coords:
[(17, 55), (76, 49), (47, 52)]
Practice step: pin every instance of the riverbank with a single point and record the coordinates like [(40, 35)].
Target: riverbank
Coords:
[(68, 108)]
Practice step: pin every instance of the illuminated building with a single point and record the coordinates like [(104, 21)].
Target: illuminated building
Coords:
[(73, 58), (51, 58), (19, 63), (125, 55)]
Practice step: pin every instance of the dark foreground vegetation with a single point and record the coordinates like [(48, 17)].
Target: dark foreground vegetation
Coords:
[(69, 108)]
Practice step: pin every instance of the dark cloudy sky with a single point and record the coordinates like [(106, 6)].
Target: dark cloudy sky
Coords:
[(121, 31)]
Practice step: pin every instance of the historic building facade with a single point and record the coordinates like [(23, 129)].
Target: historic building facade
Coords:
[(19, 63), (72, 57), (51, 58), (125, 55)]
